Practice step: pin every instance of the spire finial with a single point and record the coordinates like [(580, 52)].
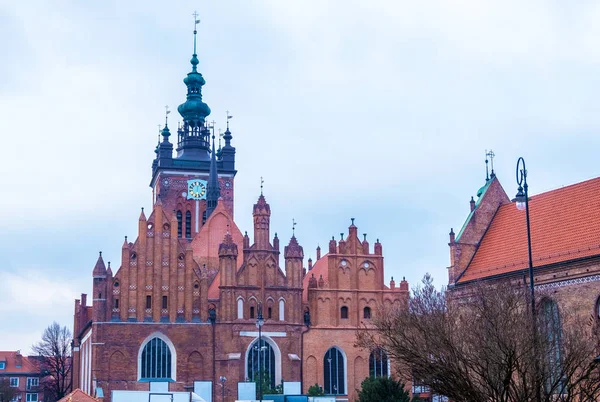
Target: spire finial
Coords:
[(293, 227), (261, 185), (159, 132), (491, 154), (167, 111), (352, 219), (196, 22)]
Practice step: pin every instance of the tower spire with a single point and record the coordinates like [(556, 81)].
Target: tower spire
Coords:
[(194, 137), (213, 190)]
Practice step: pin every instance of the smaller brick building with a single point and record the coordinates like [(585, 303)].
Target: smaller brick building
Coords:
[(565, 245), (23, 373)]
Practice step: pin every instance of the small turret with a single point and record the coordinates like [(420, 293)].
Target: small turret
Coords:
[(276, 242), (404, 285), (365, 245), (262, 217), (332, 246), (318, 253), (310, 266), (452, 237), (392, 284), (378, 248), (342, 244), (293, 254), (99, 268), (472, 204)]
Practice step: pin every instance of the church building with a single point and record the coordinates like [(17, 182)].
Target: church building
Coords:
[(184, 305)]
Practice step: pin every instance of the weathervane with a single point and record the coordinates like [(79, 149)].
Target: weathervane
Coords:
[(293, 226), (228, 117), (167, 111), (261, 185), (196, 22)]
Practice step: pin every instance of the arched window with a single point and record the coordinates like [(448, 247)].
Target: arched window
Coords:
[(261, 357), (367, 313), (179, 216), (240, 312), (344, 312), (188, 224), (156, 361), (378, 363), (552, 328), (334, 372), (270, 313), (251, 311), (281, 310)]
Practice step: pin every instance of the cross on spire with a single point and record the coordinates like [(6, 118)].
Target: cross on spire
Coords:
[(491, 154), (196, 22)]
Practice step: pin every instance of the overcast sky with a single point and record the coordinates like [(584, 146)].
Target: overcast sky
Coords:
[(376, 110)]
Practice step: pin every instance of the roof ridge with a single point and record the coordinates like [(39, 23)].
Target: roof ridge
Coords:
[(564, 187)]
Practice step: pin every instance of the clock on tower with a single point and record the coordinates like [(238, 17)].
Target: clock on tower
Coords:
[(196, 189)]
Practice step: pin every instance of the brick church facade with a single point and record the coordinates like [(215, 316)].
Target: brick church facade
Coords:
[(183, 305)]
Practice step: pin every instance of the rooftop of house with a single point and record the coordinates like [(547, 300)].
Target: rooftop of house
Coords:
[(78, 396), (565, 226), (15, 363)]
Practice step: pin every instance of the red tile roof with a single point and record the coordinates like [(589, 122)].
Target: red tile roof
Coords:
[(28, 364), (565, 225), (78, 396)]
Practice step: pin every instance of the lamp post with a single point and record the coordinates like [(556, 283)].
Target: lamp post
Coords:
[(260, 321), (223, 379), (522, 201)]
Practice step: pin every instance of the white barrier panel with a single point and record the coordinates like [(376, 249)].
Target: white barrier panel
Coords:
[(144, 396), (292, 388), (203, 389), (246, 391)]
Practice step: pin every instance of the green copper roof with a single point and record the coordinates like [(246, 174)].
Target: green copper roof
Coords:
[(480, 193)]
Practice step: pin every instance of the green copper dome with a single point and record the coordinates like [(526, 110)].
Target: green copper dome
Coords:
[(193, 108)]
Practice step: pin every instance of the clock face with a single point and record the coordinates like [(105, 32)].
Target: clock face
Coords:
[(196, 189)]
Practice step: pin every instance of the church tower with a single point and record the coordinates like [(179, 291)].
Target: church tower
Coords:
[(190, 183)]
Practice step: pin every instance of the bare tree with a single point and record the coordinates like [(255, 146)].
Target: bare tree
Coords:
[(55, 352), (7, 393), (488, 346)]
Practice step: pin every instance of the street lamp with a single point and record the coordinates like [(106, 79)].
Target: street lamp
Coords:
[(260, 321), (522, 201), (223, 379)]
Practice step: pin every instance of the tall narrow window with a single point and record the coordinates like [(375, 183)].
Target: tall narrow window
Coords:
[(378, 363), (116, 302), (367, 313), (251, 311), (240, 312), (553, 330), (333, 372), (188, 224), (164, 302), (179, 228), (269, 313), (344, 312), (156, 361), (281, 310), (204, 217), (148, 301)]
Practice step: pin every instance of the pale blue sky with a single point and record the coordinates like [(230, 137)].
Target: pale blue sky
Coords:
[(376, 110)]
